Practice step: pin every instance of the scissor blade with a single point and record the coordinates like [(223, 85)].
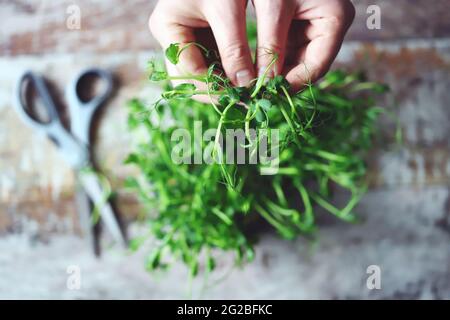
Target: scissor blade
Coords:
[(89, 229), (93, 188)]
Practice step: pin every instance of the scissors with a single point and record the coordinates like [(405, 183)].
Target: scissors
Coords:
[(74, 145)]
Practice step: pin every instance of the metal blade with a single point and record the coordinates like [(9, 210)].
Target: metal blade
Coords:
[(89, 229), (94, 189)]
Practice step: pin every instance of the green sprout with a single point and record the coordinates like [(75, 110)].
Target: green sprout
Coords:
[(198, 210)]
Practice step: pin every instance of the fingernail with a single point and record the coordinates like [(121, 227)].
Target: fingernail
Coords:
[(243, 78), (269, 73)]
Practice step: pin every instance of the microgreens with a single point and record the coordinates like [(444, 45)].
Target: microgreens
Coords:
[(325, 133)]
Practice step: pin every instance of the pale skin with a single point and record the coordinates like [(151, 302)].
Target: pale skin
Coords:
[(305, 34)]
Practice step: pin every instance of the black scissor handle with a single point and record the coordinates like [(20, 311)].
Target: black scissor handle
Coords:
[(30, 80), (84, 79), (81, 110), (74, 153)]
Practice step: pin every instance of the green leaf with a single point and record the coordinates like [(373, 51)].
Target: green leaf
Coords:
[(185, 90), (153, 260), (172, 53), (336, 77), (211, 264), (185, 87), (224, 100), (135, 106), (265, 104), (182, 91), (211, 70), (260, 116), (158, 76), (194, 268), (381, 88), (136, 243), (132, 122), (274, 85), (233, 94), (132, 158), (250, 254), (131, 183)]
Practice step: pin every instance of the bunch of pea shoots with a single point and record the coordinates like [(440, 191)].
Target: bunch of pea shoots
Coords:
[(315, 141)]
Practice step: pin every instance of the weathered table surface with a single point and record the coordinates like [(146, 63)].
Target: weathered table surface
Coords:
[(408, 208)]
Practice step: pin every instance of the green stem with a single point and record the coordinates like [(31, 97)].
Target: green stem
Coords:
[(289, 121), (219, 128), (281, 228), (289, 99), (187, 77), (262, 78), (308, 220)]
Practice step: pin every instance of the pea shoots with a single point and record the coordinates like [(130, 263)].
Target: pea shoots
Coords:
[(197, 210)]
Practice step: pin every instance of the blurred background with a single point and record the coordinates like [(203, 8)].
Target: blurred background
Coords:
[(406, 229)]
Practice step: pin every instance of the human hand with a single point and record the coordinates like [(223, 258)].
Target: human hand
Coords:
[(214, 24), (305, 34)]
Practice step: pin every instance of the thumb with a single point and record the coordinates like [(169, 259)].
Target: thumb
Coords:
[(167, 33)]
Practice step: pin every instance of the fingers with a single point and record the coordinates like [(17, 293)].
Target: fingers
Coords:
[(328, 23), (176, 23), (168, 30), (273, 21), (229, 27), (313, 61)]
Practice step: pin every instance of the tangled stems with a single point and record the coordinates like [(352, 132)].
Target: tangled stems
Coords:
[(325, 132)]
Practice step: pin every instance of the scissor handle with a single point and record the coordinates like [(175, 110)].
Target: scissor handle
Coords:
[(27, 80), (82, 112), (73, 152)]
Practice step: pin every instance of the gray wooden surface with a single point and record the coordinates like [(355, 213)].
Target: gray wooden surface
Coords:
[(407, 211)]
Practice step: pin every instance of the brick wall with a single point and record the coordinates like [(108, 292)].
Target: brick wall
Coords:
[(407, 205)]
